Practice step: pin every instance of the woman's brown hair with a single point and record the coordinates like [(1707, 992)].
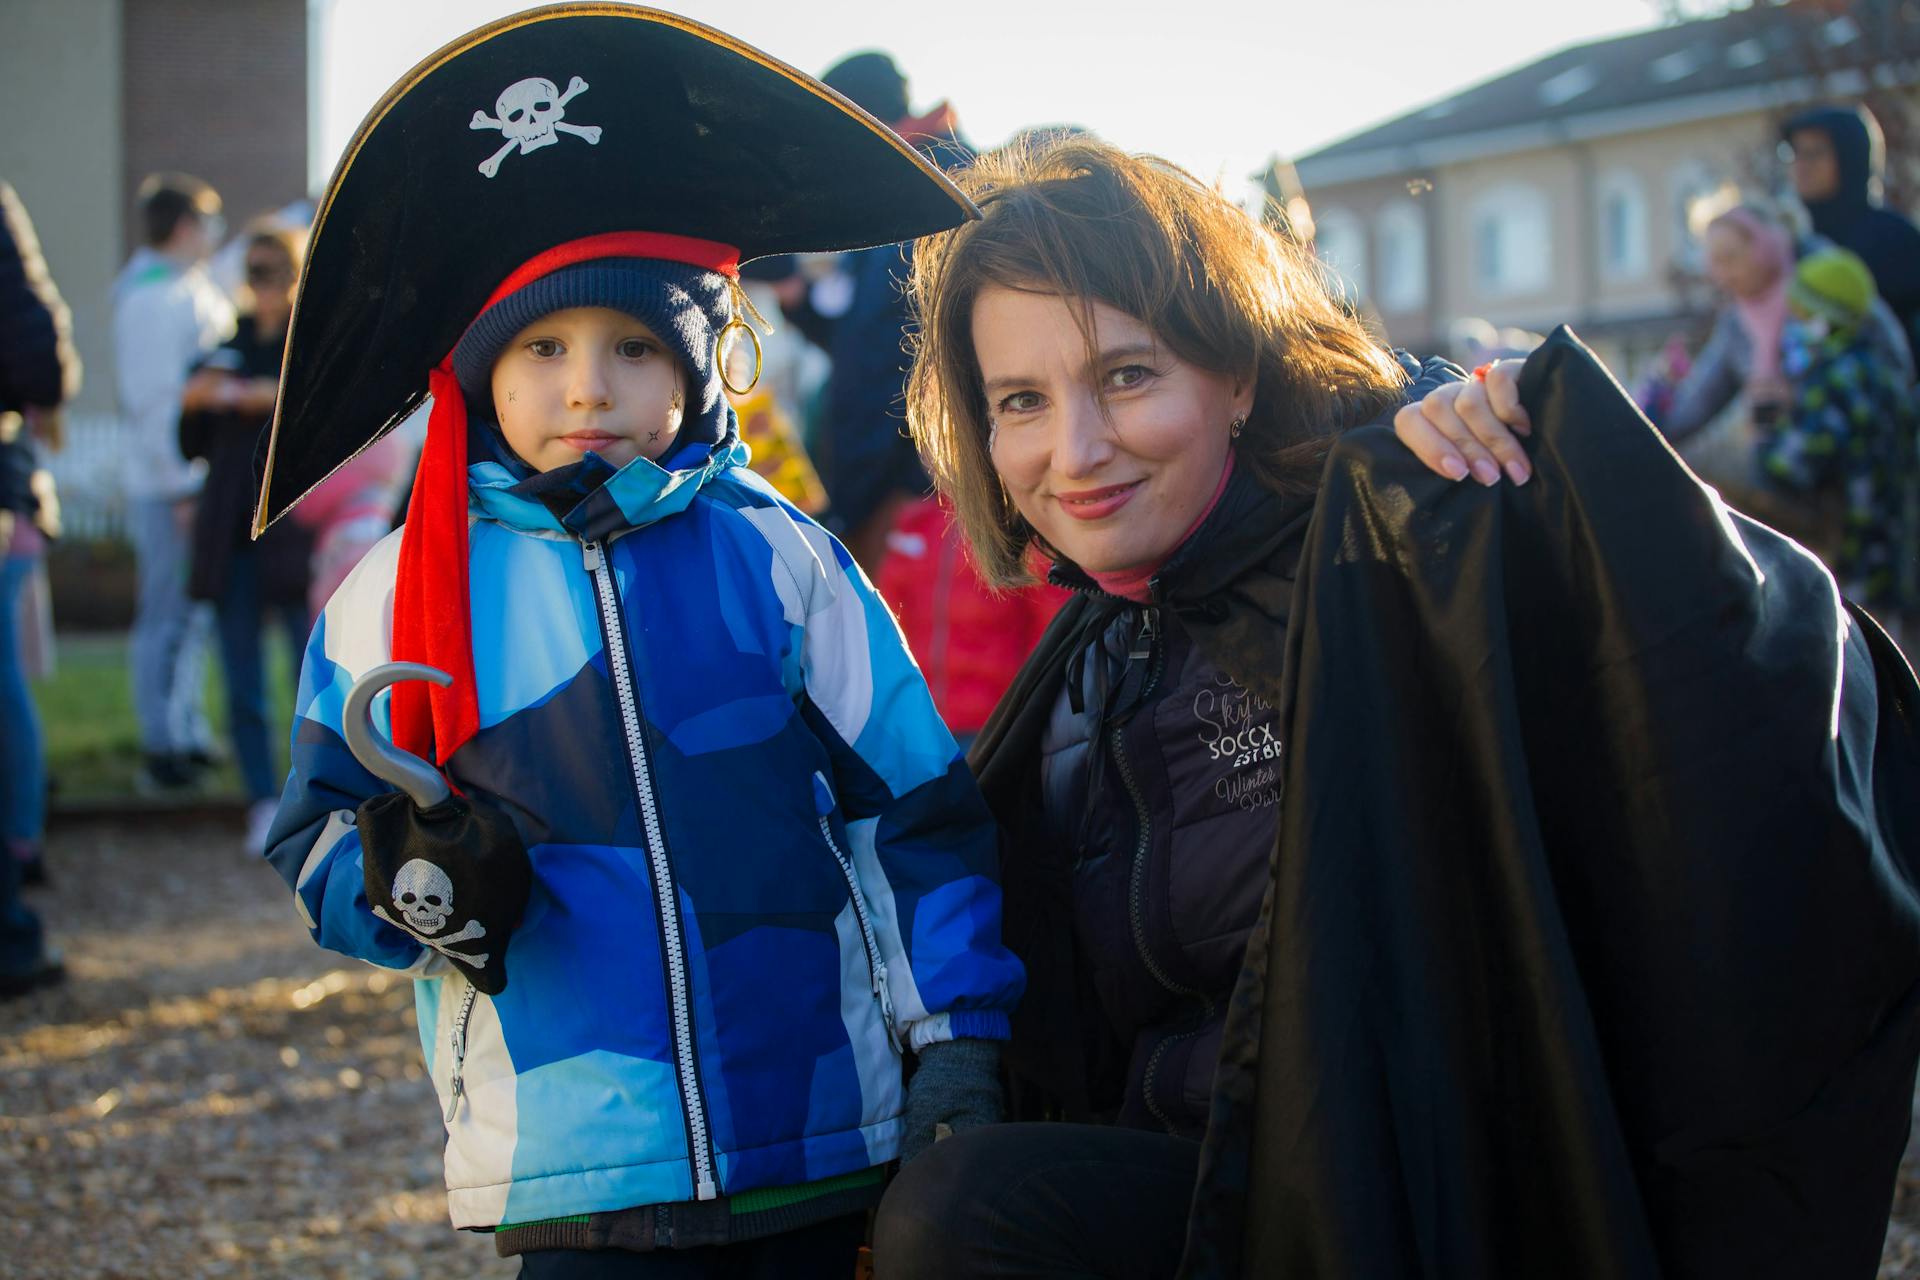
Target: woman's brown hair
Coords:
[(1083, 220)]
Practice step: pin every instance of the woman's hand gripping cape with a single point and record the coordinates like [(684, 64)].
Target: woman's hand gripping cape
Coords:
[(1592, 942)]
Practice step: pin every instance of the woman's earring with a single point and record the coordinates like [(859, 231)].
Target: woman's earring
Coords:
[(1235, 427), (673, 401)]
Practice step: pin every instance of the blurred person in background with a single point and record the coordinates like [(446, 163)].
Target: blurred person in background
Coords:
[(1749, 256), (1848, 434), (39, 372), (969, 639), (225, 405), (167, 315), (1839, 157), (351, 510), (862, 449)]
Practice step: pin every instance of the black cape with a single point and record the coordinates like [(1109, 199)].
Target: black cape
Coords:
[(1592, 940)]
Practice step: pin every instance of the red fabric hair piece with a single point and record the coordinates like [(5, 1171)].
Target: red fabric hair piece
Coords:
[(432, 616), (432, 622)]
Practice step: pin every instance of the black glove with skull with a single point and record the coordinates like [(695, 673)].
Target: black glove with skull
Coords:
[(455, 876)]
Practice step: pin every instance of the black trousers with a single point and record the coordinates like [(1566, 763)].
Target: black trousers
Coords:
[(825, 1251), (1053, 1200)]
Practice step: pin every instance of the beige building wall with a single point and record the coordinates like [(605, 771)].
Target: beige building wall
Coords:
[(60, 63)]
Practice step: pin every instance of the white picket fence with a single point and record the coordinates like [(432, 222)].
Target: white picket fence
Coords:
[(86, 474)]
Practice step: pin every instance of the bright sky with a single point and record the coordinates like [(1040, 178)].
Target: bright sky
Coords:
[(1215, 85)]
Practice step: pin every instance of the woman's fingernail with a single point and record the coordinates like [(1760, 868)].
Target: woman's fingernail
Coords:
[(1517, 471), (1485, 471), (1453, 468)]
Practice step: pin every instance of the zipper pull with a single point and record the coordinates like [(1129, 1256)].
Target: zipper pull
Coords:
[(591, 554), (1149, 630), (457, 1085), (885, 997)]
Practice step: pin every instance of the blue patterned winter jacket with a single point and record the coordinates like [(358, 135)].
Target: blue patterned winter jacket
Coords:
[(760, 864)]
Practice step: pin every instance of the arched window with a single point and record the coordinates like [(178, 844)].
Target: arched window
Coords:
[(1622, 216), (1341, 242), (1512, 240), (1401, 234)]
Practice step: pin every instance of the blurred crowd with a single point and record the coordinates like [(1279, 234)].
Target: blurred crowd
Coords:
[(1800, 404)]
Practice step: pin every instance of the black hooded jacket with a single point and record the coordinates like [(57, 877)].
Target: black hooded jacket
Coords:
[(1853, 216)]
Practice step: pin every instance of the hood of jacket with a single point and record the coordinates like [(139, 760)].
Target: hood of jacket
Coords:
[(1859, 154)]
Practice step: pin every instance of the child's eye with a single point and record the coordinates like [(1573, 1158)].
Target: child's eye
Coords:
[(544, 348), (635, 348), (1019, 402), (1128, 376)]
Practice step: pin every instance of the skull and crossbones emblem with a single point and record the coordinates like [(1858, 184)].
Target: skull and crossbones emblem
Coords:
[(424, 895), (532, 113)]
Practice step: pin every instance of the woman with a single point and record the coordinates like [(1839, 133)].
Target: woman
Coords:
[(1257, 587), (226, 403), (1167, 471)]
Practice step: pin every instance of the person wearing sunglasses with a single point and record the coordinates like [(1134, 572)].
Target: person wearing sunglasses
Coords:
[(227, 402)]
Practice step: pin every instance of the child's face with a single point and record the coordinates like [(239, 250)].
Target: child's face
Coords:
[(587, 379)]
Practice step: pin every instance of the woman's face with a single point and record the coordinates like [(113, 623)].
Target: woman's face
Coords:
[(1112, 462), (1733, 264)]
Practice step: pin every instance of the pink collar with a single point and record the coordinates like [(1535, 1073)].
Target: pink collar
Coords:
[(1133, 584)]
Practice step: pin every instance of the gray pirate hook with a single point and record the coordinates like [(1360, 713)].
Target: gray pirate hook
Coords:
[(406, 771)]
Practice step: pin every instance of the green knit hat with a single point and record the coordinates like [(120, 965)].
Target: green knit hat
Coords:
[(1835, 285)]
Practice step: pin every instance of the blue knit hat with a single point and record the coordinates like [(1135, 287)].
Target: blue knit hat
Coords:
[(685, 306)]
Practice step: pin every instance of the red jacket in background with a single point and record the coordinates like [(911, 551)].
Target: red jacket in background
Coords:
[(968, 641)]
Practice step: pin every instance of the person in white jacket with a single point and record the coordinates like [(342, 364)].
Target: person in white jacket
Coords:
[(167, 314)]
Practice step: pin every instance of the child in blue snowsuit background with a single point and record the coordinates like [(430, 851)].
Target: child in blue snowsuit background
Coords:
[(1850, 432), (761, 871)]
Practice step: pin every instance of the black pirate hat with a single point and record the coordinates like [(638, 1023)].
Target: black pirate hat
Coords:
[(547, 127)]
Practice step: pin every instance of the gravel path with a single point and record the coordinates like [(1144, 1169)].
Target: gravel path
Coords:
[(212, 1095)]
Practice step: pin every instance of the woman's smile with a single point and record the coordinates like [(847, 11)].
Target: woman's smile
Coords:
[(1098, 504)]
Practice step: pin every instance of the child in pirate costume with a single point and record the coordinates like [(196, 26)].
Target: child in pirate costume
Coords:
[(712, 868)]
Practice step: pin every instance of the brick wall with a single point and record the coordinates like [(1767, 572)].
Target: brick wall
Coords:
[(217, 88)]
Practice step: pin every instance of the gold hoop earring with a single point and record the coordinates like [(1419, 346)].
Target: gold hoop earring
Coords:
[(720, 355), (1235, 427)]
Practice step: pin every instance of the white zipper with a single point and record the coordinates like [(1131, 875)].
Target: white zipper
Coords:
[(458, 1086), (705, 1187), (876, 967)]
